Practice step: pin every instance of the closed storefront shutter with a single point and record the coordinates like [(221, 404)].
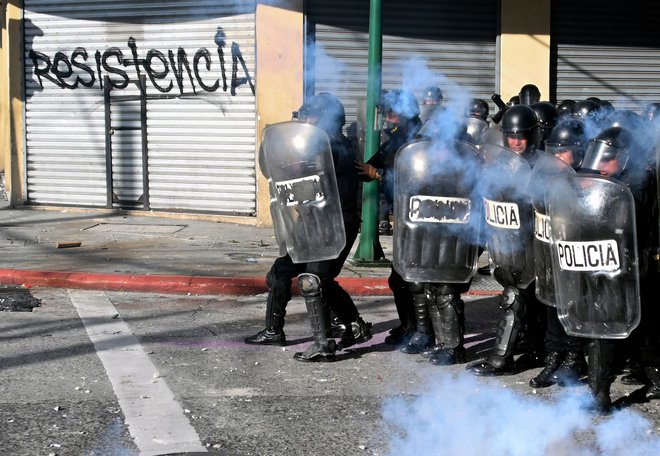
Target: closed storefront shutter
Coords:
[(606, 49), (197, 122), (454, 39)]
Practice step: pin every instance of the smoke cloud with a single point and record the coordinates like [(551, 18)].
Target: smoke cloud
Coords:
[(461, 415)]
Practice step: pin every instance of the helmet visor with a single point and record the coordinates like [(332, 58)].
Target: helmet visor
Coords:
[(606, 158), (570, 154)]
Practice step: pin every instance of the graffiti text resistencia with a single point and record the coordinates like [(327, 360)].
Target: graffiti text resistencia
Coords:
[(163, 69)]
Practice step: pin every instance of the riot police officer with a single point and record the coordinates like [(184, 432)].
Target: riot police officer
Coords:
[(475, 125), (509, 234), (402, 123), (547, 116), (602, 208), (436, 240), (529, 94), (431, 102), (521, 130), (564, 362), (316, 280), (652, 112)]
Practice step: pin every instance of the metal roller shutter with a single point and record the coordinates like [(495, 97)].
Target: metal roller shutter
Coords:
[(607, 49), (454, 39), (200, 136)]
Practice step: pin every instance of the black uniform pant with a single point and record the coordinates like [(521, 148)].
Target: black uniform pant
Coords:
[(403, 300), (556, 339), (645, 339), (284, 270)]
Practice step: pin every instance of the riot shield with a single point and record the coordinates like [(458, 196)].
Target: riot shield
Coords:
[(594, 255), (299, 161), (437, 213), (508, 215), (493, 135), (278, 223), (547, 166)]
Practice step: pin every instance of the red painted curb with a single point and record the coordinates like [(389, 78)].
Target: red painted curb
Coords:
[(180, 284)]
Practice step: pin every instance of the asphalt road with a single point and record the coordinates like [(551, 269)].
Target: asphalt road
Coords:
[(115, 373)]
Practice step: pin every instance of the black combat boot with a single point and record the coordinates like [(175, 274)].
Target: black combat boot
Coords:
[(403, 301), (601, 374), (275, 312), (635, 375), (423, 337), (544, 379), (653, 374), (572, 369), (449, 356), (268, 336), (358, 333), (337, 326)]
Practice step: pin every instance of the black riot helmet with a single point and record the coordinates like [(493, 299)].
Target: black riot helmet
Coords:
[(584, 109), (604, 107), (520, 122), (529, 94), (564, 107), (608, 152), (401, 102), (652, 112), (643, 136), (432, 95), (400, 110), (478, 108), (625, 118), (567, 142), (324, 110), (547, 115)]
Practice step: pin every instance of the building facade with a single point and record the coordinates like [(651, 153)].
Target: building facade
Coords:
[(158, 106)]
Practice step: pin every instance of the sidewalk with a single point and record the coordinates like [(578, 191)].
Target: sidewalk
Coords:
[(101, 250)]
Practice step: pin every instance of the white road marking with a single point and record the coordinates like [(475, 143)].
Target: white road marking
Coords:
[(155, 419)]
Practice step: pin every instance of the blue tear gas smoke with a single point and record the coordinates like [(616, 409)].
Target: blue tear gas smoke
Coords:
[(461, 415), (445, 123)]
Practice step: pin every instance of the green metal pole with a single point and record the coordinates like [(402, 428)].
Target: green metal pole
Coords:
[(369, 249)]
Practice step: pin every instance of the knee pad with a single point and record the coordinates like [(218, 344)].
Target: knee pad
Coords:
[(445, 296), (509, 297), (416, 287), (309, 285)]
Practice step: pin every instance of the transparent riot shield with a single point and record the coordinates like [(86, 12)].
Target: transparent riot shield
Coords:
[(437, 212), (299, 161), (547, 166), (508, 215), (594, 255)]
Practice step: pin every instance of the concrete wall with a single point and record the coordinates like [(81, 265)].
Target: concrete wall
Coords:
[(11, 100), (524, 46)]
